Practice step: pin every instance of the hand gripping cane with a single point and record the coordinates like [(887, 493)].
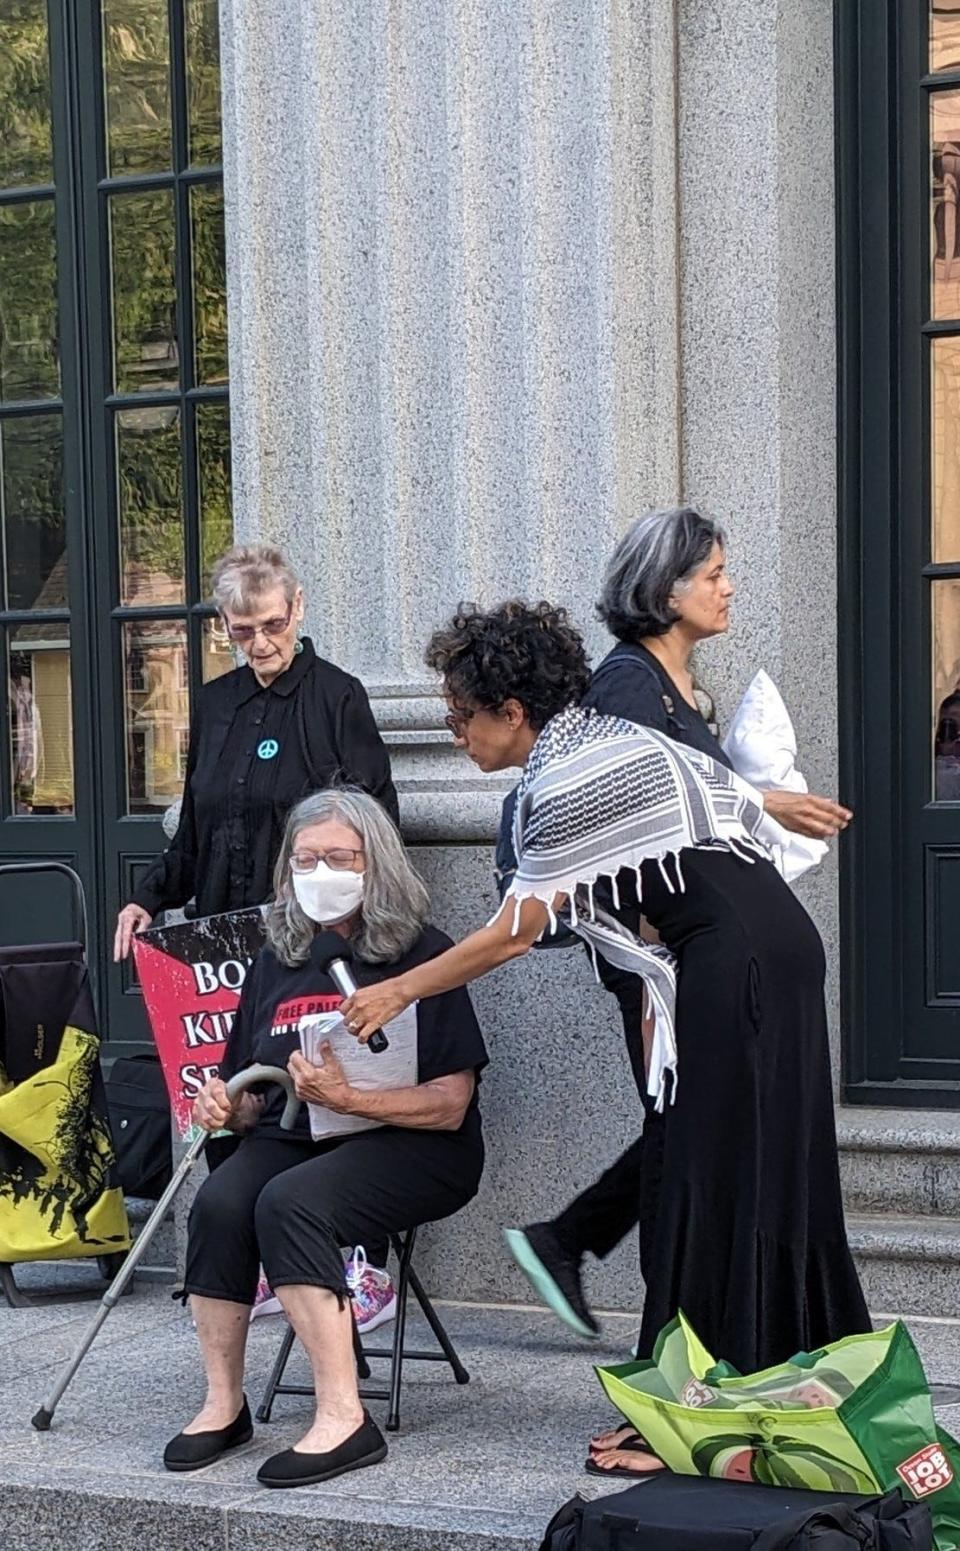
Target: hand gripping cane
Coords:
[(244, 1079)]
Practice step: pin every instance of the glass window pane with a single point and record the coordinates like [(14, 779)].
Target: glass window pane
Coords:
[(202, 22), (156, 712), (144, 291), (150, 506), (33, 529), (41, 719), (136, 71), (26, 154), (213, 479), (217, 655), (945, 449), (209, 284), (944, 34), (944, 183), (29, 336), (945, 612)]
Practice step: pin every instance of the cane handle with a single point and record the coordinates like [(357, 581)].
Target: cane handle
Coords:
[(259, 1073)]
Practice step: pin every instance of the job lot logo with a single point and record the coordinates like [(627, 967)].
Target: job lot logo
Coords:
[(695, 1394), (926, 1472)]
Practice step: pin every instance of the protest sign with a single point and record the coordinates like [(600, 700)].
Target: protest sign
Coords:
[(191, 975)]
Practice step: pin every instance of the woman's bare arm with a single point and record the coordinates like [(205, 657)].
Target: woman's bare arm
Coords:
[(372, 1006)]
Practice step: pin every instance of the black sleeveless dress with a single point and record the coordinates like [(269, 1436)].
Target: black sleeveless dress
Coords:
[(741, 1216), (744, 1226)]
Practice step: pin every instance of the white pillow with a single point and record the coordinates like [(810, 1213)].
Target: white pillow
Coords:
[(762, 747)]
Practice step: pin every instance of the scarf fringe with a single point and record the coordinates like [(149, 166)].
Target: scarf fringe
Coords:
[(745, 850)]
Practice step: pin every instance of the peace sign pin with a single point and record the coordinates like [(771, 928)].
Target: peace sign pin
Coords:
[(268, 749)]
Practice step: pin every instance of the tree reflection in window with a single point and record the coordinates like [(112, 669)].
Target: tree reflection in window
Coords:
[(26, 142)]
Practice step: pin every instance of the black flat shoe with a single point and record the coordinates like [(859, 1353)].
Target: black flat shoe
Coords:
[(367, 1446), (191, 1451)]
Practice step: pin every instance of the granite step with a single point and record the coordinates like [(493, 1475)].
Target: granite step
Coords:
[(910, 1264), (905, 1162), (475, 1468)]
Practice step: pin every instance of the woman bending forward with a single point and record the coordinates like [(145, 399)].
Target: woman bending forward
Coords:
[(748, 1234)]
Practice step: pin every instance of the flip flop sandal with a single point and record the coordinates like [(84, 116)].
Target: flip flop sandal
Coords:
[(593, 1469), (632, 1440)]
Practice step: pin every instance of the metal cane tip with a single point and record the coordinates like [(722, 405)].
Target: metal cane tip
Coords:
[(42, 1420)]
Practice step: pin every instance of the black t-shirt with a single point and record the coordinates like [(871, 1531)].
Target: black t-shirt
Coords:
[(275, 998)]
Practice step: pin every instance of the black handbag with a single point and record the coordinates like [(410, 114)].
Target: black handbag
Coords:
[(140, 1120), (668, 1512)]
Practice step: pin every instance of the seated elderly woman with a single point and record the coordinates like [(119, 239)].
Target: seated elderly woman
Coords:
[(293, 1202)]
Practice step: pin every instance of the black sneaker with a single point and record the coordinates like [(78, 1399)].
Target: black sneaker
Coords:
[(553, 1273)]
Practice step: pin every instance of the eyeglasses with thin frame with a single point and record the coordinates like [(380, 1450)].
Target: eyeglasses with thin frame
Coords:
[(341, 859), (248, 633), (456, 721)]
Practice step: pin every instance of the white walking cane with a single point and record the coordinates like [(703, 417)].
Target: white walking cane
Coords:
[(244, 1079)]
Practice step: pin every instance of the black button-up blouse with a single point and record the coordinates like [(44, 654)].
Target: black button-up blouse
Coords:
[(254, 752)]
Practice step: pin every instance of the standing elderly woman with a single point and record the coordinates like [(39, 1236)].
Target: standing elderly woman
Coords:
[(261, 737), (748, 1235), (293, 1202), (666, 589)]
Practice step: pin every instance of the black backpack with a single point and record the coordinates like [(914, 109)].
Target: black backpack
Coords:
[(667, 1512), (140, 1121)]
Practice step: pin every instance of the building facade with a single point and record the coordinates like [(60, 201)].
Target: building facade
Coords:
[(495, 277)]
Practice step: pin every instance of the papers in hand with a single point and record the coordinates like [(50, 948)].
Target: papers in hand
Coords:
[(395, 1067)]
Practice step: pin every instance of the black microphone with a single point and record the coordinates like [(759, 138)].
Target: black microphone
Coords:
[(330, 954)]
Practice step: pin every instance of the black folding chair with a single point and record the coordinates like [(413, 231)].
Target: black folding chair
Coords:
[(398, 1353)]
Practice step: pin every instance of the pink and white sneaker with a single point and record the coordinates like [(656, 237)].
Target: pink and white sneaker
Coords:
[(374, 1298), (265, 1301)]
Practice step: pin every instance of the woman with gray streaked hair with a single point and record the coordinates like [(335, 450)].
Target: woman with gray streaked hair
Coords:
[(665, 590), (261, 737), (375, 1159)]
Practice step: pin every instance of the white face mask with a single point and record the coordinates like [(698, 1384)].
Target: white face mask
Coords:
[(328, 895)]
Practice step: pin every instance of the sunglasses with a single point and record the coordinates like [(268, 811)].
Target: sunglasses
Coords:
[(270, 627)]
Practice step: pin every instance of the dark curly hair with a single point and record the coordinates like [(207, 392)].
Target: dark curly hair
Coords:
[(519, 651)]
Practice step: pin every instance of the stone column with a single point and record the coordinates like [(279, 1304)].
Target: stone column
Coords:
[(500, 276), (758, 361)]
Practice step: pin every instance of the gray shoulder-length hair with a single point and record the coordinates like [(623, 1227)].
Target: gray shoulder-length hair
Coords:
[(395, 899), (654, 560), (245, 572)]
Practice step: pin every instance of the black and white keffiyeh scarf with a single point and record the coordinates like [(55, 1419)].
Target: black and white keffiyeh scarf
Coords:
[(599, 794)]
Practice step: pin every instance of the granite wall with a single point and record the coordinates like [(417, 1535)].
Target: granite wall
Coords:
[(500, 276)]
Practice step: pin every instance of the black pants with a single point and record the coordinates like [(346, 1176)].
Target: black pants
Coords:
[(290, 1204), (624, 1196)]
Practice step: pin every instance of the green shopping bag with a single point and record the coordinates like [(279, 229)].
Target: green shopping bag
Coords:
[(856, 1416)]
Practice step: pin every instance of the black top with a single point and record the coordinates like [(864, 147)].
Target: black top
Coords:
[(275, 998), (254, 752), (632, 683)]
